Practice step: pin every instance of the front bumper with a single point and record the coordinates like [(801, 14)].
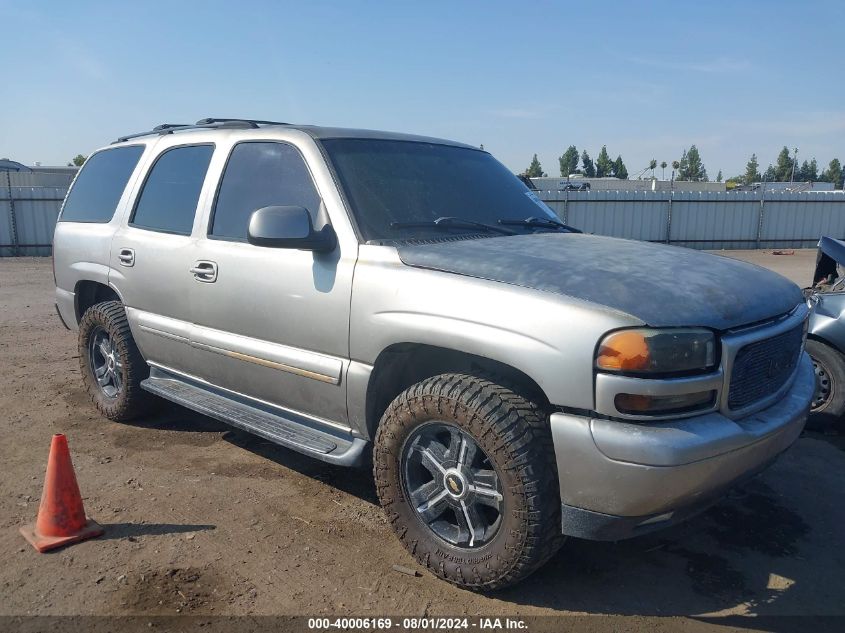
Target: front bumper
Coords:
[(620, 479)]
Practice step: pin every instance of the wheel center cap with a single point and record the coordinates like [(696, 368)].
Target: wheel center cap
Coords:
[(455, 483)]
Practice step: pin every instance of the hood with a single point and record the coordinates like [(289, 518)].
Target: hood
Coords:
[(659, 285)]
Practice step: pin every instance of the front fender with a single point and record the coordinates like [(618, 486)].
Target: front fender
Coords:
[(549, 338), (827, 321)]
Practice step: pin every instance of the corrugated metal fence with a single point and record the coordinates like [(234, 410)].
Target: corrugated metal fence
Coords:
[(706, 220), (28, 211)]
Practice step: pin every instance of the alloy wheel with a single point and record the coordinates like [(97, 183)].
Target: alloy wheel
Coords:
[(452, 485), (105, 362)]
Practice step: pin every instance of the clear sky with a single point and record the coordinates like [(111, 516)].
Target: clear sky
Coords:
[(647, 79)]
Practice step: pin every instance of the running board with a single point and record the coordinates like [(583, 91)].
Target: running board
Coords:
[(283, 428)]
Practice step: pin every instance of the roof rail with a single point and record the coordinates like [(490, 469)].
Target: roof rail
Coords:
[(169, 128), (254, 122)]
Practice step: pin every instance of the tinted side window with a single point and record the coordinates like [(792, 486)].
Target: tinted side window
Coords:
[(98, 187), (261, 175), (169, 198)]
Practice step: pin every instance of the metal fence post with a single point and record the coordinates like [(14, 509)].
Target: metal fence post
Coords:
[(566, 206), (669, 218), (13, 224), (760, 217)]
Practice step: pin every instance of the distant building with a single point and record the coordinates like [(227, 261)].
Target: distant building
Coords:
[(20, 175), (787, 187), (12, 165), (616, 184)]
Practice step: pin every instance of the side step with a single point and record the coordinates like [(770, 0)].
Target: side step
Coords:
[(281, 427)]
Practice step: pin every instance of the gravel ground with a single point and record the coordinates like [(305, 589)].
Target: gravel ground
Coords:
[(202, 519)]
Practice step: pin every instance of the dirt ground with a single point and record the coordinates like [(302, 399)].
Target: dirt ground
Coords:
[(202, 519)]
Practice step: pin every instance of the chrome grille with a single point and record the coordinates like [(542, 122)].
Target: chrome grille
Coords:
[(763, 367)]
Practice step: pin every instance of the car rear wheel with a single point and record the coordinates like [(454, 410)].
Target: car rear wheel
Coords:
[(828, 404), (465, 472), (112, 367)]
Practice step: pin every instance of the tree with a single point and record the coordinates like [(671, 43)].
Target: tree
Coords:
[(801, 171), (719, 176), (619, 169), (808, 172), (833, 173), (604, 165), (770, 174), (783, 165), (691, 166), (587, 164), (752, 170), (569, 161), (676, 165), (697, 172), (535, 170), (663, 168), (683, 166), (652, 166), (78, 160)]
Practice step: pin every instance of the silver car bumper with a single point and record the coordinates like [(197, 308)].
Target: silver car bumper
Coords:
[(620, 479), (65, 306)]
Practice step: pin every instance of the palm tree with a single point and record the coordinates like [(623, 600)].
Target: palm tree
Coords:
[(663, 167), (652, 166)]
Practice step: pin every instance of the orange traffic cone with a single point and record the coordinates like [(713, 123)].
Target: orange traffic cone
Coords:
[(61, 517)]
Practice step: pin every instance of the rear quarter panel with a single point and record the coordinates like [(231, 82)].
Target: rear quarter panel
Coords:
[(82, 250)]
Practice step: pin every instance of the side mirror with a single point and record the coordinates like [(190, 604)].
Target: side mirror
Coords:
[(289, 227)]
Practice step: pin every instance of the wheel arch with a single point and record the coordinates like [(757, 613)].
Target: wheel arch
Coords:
[(401, 365), (87, 293), (825, 341)]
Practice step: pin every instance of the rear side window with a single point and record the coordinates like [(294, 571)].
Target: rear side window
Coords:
[(261, 174), (169, 198), (98, 187)]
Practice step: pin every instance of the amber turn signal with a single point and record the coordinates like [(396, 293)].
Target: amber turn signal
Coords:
[(623, 351), (638, 404)]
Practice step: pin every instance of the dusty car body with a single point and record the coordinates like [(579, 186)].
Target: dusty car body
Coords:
[(826, 333), (518, 380)]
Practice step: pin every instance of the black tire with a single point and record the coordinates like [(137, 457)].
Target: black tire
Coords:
[(829, 398), (122, 399), (513, 436)]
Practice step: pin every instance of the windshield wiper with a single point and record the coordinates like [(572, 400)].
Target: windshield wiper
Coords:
[(541, 223), (451, 222)]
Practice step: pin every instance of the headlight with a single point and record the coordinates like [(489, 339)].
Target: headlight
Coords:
[(649, 351)]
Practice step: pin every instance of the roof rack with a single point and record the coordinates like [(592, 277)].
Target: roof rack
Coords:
[(254, 122), (209, 123), (167, 126)]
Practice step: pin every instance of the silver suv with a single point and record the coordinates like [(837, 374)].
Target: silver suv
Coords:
[(333, 290)]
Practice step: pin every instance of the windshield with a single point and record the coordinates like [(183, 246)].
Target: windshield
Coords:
[(390, 184)]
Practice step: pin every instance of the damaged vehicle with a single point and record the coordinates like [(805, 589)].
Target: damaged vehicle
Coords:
[(346, 293), (826, 334)]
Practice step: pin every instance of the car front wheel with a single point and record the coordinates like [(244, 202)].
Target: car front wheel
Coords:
[(465, 472), (828, 405)]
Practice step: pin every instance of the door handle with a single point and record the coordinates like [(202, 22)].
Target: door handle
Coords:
[(126, 257), (204, 271)]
